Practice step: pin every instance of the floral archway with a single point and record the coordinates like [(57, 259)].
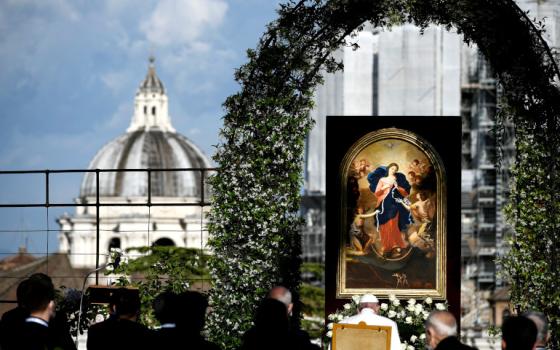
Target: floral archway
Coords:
[(254, 221)]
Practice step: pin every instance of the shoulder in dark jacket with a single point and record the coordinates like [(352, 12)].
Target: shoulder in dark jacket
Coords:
[(452, 343)]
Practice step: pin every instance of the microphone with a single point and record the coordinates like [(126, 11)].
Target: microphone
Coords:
[(115, 264)]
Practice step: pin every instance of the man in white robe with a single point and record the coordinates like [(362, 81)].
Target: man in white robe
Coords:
[(368, 308)]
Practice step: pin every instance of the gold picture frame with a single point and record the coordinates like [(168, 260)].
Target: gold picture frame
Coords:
[(393, 223)]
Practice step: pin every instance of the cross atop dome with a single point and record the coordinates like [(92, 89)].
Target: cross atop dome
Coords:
[(151, 83), (150, 104)]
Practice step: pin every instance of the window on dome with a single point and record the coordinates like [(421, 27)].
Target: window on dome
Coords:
[(114, 243), (145, 109), (153, 110), (164, 242)]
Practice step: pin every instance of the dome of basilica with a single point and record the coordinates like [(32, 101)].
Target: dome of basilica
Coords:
[(150, 142)]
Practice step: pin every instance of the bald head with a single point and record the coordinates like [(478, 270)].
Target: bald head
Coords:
[(542, 326), (283, 295), (440, 325)]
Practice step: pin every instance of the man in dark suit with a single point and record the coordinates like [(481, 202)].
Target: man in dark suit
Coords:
[(441, 332), (166, 311), (543, 334), (191, 319), (182, 320), (39, 300), (34, 293), (299, 336), (98, 333), (13, 320), (271, 329), (122, 331), (518, 333)]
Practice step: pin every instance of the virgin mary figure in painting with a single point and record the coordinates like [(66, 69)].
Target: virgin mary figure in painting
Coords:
[(390, 187)]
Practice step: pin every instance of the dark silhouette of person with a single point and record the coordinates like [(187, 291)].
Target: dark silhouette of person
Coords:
[(271, 329), (518, 333), (13, 320), (300, 336), (190, 320), (123, 331), (441, 332), (38, 299), (98, 333), (543, 333), (58, 326), (166, 311)]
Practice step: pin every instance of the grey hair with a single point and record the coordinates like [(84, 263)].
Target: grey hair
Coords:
[(442, 328), (541, 322), (284, 297)]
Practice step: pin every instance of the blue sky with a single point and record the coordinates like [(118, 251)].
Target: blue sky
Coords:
[(70, 69)]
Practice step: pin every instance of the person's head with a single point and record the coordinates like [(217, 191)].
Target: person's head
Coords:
[(165, 307), (127, 304), (271, 316), (518, 333), (438, 326), (542, 326), (392, 168), (283, 295), (38, 297), (368, 301), (42, 277), (415, 162), (21, 292), (192, 310)]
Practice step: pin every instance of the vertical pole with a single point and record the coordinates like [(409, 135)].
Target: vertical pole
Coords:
[(202, 187), (201, 208), (97, 226), (149, 202), (47, 200), (149, 187)]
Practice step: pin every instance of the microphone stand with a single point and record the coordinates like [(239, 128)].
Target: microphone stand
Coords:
[(115, 264), (82, 299)]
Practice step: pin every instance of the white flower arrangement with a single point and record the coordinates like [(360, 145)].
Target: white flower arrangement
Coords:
[(409, 316)]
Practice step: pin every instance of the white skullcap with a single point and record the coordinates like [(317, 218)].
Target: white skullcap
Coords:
[(368, 298)]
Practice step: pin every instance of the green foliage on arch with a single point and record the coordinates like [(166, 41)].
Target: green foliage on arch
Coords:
[(254, 222)]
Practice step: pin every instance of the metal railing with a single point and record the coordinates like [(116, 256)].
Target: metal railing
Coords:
[(201, 200)]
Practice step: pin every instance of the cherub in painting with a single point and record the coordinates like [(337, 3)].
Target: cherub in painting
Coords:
[(362, 168), (423, 211)]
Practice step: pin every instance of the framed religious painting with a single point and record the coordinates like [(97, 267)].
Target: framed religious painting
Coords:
[(390, 181)]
